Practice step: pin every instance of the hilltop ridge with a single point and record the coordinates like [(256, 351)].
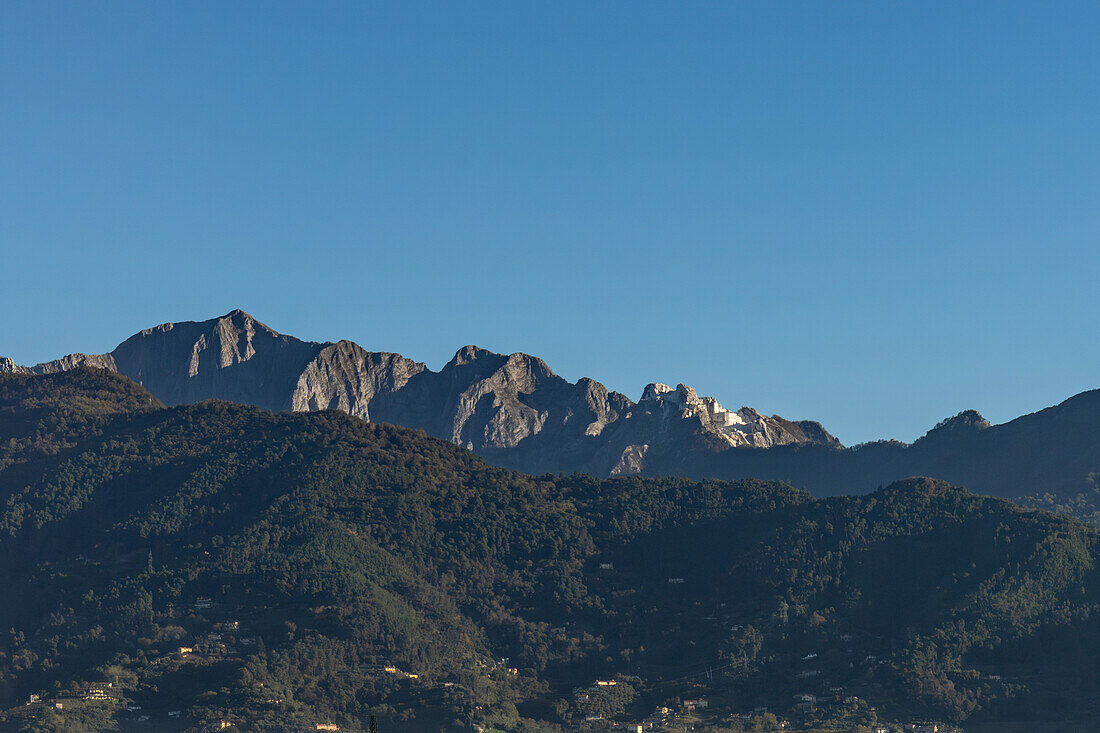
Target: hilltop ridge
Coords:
[(512, 409)]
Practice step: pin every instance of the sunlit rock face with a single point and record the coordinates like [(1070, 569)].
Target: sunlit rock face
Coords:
[(511, 409), (743, 427)]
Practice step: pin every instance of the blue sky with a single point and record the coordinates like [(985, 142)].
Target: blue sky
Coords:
[(870, 214)]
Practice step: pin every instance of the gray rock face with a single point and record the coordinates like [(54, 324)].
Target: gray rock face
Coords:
[(234, 358), (745, 427), (72, 361), (511, 409), (344, 376)]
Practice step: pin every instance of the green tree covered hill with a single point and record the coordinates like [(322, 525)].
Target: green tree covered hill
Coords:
[(217, 562)]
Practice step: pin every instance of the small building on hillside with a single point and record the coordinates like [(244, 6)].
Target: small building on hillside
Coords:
[(806, 701), (924, 727)]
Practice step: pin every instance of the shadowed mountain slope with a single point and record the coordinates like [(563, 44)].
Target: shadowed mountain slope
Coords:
[(516, 413), (1054, 451)]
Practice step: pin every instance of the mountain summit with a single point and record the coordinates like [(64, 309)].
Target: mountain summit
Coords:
[(512, 409)]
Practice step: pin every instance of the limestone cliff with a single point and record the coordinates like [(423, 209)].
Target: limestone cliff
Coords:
[(344, 376), (512, 409)]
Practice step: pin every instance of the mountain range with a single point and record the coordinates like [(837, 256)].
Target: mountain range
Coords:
[(510, 409), (514, 411)]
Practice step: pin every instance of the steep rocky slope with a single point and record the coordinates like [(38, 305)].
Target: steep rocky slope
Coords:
[(511, 409), (514, 411)]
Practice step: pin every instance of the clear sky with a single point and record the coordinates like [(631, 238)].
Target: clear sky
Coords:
[(870, 214)]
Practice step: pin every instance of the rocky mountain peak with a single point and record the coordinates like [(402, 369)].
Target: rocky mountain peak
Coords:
[(239, 320), (743, 427), (469, 354), (511, 409), (686, 395), (655, 390), (530, 368), (683, 396), (965, 423)]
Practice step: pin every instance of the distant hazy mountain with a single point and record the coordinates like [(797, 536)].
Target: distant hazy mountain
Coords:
[(1055, 451), (511, 409), (514, 411)]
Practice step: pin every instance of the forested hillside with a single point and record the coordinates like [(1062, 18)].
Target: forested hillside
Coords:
[(217, 563)]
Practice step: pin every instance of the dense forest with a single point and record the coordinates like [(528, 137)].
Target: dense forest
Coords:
[(215, 565)]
